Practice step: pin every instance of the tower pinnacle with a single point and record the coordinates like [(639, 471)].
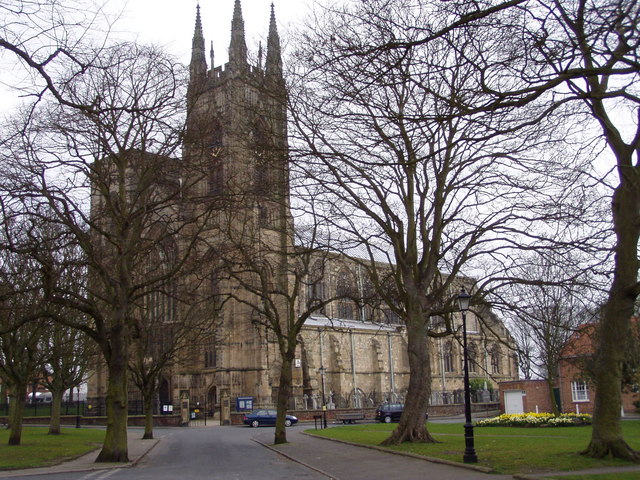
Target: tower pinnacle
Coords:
[(238, 46), (198, 65), (273, 64)]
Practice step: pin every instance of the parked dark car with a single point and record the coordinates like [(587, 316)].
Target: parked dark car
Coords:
[(389, 412), (266, 417)]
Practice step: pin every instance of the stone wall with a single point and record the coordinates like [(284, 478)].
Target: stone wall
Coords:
[(370, 413), (133, 420)]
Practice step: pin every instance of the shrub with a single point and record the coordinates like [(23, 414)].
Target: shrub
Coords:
[(536, 420)]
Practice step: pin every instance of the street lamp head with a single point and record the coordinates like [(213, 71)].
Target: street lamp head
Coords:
[(463, 300)]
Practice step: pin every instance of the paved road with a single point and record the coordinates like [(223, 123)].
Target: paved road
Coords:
[(212, 453)]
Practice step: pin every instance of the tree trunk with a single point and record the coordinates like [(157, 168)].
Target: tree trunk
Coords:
[(16, 414), (551, 381), (284, 391), (11, 399), (56, 407), (412, 427), (148, 415), (614, 327), (115, 447)]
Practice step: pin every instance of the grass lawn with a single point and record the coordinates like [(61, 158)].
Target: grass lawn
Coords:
[(505, 449), (39, 449), (602, 476)]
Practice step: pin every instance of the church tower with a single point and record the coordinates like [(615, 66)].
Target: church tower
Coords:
[(236, 175), (236, 124)]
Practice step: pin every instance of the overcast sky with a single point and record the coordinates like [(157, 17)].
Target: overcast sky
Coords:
[(170, 23)]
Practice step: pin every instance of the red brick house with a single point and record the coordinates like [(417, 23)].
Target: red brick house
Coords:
[(525, 396), (577, 392), (574, 389)]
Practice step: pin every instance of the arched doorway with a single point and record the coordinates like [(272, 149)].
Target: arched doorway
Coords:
[(163, 392)]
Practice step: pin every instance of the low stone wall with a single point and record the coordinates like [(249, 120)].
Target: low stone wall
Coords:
[(236, 417), (370, 413), (133, 420)]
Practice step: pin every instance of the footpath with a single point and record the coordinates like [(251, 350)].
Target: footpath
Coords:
[(344, 461)]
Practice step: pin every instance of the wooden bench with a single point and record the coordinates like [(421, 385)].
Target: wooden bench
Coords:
[(349, 417)]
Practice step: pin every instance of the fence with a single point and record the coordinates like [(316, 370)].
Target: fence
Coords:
[(44, 409), (361, 400), (457, 397), (82, 408), (304, 402)]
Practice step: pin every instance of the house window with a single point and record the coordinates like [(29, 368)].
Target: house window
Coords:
[(579, 391)]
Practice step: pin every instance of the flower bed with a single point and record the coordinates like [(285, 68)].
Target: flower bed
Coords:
[(536, 420)]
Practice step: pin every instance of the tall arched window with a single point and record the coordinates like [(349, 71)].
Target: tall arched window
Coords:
[(346, 288), (316, 286), (447, 357), (160, 303), (472, 355), (262, 180), (494, 357)]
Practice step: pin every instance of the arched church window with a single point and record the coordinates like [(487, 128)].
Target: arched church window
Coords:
[(316, 290), (160, 304), (345, 287), (472, 353), (447, 357), (391, 317), (370, 300), (494, 358)]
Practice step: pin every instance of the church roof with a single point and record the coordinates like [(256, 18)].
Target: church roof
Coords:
[(342, 324)]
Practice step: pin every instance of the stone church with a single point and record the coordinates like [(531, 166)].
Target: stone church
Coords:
[(348, 355)]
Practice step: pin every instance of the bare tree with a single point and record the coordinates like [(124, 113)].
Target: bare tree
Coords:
[(279, 283), (69, 352), (409, 178), (546, 312), (579, 57), (168, 323), (525, 349), (46, 39), (22, 327), (109, 178)]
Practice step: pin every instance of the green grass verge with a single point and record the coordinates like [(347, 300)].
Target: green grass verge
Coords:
[(504, 449), (38, 449), (600, 476)]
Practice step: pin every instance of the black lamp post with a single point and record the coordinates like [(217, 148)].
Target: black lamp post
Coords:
[(469, 451), (322, 371), (77, 406)]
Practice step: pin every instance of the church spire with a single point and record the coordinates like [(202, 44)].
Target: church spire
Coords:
[(273, 64), (238, 46), (198, 65)]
